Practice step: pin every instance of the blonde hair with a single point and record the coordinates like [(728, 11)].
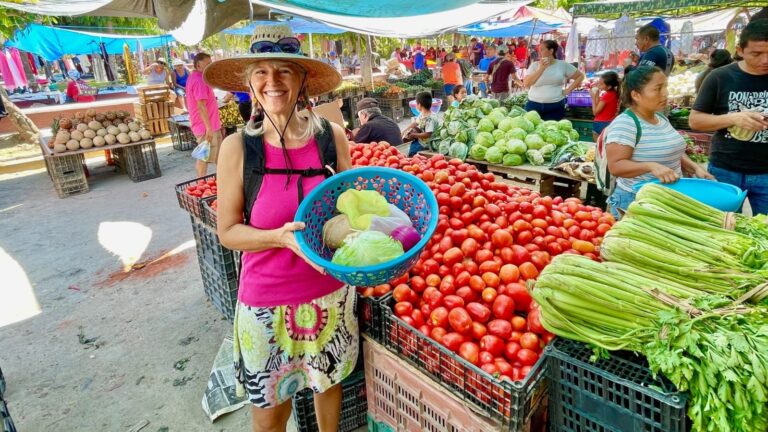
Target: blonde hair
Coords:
[(313, 120)]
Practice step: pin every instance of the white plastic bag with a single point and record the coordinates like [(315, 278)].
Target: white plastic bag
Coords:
[(388, 224), (202, 152)]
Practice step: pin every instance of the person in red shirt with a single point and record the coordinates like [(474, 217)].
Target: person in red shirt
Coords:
[(605, 102), (521, 54), (76, 89)]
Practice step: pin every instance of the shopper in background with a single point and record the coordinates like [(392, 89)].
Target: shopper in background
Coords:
[(466, 67), (477, 51), (546, 80), (653, 53), (179, 81), (605, 101), (660, 151), (500, 73), (203, 112), (420, 131), (375, 126), (77, 89), (458, 95), (718, 58), (726, 105), (451, 72), (157, 73), (334, 61)]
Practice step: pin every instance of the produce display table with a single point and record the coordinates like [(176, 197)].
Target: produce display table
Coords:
[(538, 178), (69, 176)]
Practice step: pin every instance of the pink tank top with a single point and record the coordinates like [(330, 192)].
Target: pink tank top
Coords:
[(276, 277)]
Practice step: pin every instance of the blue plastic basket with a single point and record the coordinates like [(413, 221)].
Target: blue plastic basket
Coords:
[(404, 190), (436, 106)]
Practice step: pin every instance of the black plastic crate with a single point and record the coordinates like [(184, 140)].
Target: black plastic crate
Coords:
[(370, 314), (354, 406), (580, 113), (139, 161), (220, 289), (67, 174), (395, 113), (513, 404), (210, 250), (619, 394), (210, 217), (181, 135), (189, 203)]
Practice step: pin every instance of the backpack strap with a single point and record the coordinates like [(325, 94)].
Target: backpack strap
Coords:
[(254, 165), (638, 128)]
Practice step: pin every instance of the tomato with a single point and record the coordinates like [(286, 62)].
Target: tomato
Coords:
[(433, 280), (539, 212), (432, 296), (540, 223), (519, 294), (459, 320), (445, 244), (408, 320), (453, 301), (478, 330), (602, 229), (425, 330), (403, 309), (521, 225), (530, 341), (527, 357), (462, 278), (399, 280), (459, 235), (458, 189), (501, 238), (489, 368), (439, 317), (467, 294), (524, 371), (554, 249), (469, 247), (471, 266), (470, 352), (540, 259), (479, 312), (418, 284), (505, 369), (586, 235), (528, 271), (453, 341), (534, 321), (519, 323), (515, 336), (491, 279), (501, 328), (524, 237), (483, 255), (453, 256), (403, 292), (488, 295), (526, 207), (431, 266), (380, 290), (477, 283), (490, 266), (520, 255), (476, 233), (503, 307), (583, 246), (511, 350), (418, 318), (492, 210), (367, 292), (492, 344)]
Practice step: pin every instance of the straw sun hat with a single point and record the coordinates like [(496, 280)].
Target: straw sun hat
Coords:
[(229, 74)]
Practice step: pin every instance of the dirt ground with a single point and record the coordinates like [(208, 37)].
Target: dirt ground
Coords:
[(85, 346)]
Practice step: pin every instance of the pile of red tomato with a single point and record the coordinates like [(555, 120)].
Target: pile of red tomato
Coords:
[(203, 188), (468, 290)]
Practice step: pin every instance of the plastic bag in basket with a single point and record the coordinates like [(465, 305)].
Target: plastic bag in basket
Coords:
[(366, 249), (361, 206), (387, 224), (202, 152)]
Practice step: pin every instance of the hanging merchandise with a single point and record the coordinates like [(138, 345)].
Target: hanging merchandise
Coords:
[(107, 64), (130, 70), (12, 69), (597, 42), (572, 46), (32, 63), (99, 73), (140, 54), (624, 34)]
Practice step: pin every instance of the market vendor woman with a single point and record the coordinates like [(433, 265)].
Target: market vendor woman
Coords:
[(659, 153), (295, 326)]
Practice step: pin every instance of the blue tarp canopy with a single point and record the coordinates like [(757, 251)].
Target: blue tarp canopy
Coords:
[(368, 8), (508, 29), (298, 26), (52, 43)]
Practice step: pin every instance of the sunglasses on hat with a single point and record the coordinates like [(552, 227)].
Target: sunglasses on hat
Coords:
[(288, 45)]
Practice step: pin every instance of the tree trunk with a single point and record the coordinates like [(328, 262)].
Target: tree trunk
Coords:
[(31, 78), (28, 132)]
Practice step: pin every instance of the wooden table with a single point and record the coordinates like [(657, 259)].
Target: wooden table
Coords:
[(69, 175), (538, 178)]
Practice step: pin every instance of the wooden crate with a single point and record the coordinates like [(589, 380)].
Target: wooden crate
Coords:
[(153, 110), (154, 93), (157, 126)]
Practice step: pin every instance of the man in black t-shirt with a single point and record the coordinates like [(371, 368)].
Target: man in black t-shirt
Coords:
[(376, 126), (733, 101), (654, 54)]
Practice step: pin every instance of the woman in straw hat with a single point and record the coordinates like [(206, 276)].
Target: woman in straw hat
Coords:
[(295, 326)]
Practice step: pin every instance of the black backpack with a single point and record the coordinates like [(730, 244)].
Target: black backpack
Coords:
[(254, 168)]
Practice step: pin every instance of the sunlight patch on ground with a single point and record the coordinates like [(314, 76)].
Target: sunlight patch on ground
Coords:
[(127, 240), (17, 299)]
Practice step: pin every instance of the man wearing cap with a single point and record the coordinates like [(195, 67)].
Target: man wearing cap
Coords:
[(203, 112), (334, 61), (376, 126)]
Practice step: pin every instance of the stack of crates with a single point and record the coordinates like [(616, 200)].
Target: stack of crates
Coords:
[(219, 266), (154, 108), (67, 174), (138, 161), (392, 108), (354, 406)]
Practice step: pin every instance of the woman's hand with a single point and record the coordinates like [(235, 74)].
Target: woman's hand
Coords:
[(750, 120), (701, 173), (664, 174), (287, 239)]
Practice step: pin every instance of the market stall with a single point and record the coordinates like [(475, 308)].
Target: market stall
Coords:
[(123, 140)]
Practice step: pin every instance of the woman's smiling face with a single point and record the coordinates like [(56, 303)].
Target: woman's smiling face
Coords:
[(276, 85)]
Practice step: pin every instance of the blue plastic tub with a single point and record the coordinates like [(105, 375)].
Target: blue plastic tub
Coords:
[(404, 190), (436, 105), (722, 196)]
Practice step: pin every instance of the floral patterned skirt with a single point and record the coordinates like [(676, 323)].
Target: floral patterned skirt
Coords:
[(281, 350)]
